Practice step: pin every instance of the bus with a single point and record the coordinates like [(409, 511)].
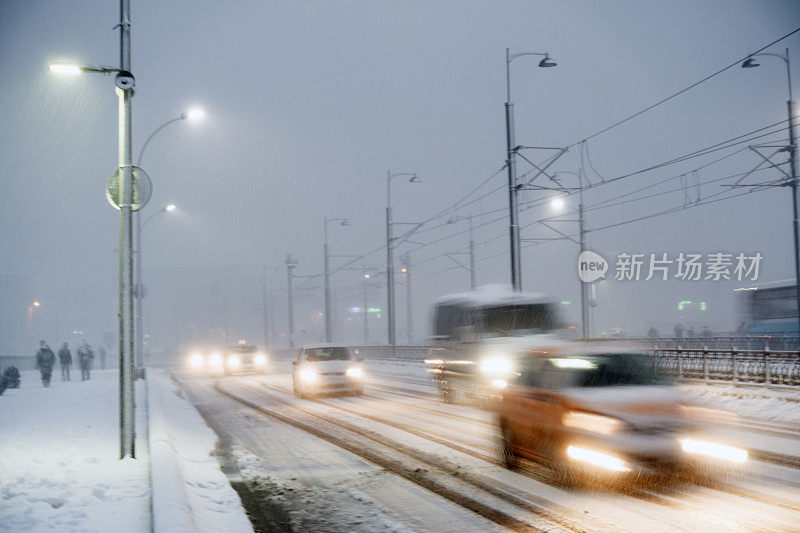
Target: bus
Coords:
[(478, 335)]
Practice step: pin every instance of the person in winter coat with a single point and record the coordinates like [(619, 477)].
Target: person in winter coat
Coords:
[(65, 357), (85, 356), (45, 359)]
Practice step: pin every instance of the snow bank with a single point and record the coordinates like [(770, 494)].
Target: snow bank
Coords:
[(760, 403), (59, 466), (190, 492)]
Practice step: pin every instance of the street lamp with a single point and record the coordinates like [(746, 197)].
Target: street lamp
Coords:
[(511, 163), (468, 218), (140, 290), (125, 84), (750, 62), (291, 264), (413, 178), (328, 321), (193, 115)]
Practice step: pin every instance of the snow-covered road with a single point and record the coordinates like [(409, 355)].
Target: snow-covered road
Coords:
[(399, 458)]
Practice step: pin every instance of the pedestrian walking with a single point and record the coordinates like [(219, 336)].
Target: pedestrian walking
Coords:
[(45, 359), (85, 357), (65, 357)]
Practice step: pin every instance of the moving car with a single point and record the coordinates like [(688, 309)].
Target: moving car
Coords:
[(243, 358), (326, 368), (235, 359), (599, 411)]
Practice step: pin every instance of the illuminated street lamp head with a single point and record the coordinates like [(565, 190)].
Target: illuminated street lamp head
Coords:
[(195, 114), (170, 208), (345, 222), (36, 303), (65, 68), (547, 62), (366, 276), (415, 179), (750, 63), (557, 203)]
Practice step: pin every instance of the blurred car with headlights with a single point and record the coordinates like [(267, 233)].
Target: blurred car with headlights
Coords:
[(479, 334), (243, 358), (326, 368), (599, 411)]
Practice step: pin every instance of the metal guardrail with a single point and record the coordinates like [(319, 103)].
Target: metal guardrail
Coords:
[(733, 365), (761, 367), (774, 343)]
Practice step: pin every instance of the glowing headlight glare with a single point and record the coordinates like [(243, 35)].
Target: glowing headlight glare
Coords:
[(308, 374), (196, 360), (354, 372), (712, 449), (603, 460), (260, 360), (496, 365), (499, 383), (215, 359), (603, 425), (233, 360)]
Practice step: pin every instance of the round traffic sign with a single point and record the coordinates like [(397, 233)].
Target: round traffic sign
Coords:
[(142, 188)]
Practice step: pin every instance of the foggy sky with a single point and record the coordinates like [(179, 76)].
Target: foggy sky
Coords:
[(310, 103)]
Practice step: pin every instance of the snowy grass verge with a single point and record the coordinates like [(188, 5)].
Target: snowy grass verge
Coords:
[(190, 492), (59, 458)]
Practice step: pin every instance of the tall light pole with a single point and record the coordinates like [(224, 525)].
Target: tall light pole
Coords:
[(468, 218), (413, 178), (291, 264), (328, 318), (405, 262), (511, 164), (558, 203), (193, 115), (750, 63), (365, 309), (125, 84), (139, 292)]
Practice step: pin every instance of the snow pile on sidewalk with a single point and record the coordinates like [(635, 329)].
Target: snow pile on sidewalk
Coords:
[(760, 403), (190, 492), (59, 466)]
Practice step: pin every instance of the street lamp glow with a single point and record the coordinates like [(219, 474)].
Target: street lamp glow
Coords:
[(65, 68), (170, 208), (195, 114), (557, 203), (36, 303)]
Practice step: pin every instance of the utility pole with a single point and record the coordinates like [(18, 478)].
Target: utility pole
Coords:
[(472, 282), (291, 264), (364, 311), (405, 260), (389, 261), (264, 314), (511, 164), (125, 85), (582, 243)]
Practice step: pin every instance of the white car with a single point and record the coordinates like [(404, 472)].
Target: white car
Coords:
[(324, 368)]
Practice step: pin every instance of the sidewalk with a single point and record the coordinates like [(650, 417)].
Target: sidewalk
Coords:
[(59, 466)]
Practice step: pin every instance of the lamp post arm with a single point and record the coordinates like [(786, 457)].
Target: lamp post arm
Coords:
[(161, 127)]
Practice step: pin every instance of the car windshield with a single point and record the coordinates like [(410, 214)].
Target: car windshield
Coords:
[(607, 370), (242, 348), (337, 353)]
